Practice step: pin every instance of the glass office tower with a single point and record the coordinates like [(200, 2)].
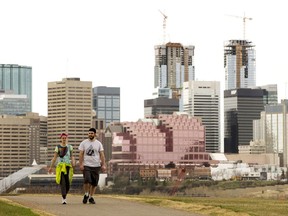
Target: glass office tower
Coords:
[(106, 104), (18, 79)]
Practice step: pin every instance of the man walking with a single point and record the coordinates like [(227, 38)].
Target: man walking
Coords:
[(91, 161)]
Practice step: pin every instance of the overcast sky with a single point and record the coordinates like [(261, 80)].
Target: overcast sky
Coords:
[(111, 42)]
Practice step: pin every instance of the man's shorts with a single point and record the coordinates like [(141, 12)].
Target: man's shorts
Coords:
[(91, 175)]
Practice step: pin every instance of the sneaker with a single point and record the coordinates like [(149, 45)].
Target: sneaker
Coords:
[(64, 201), (85, 198), (91, 200)]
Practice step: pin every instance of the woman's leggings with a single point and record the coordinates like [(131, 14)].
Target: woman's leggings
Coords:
[(65, 183)]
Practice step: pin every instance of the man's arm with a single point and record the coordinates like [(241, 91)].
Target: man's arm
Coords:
[(81, 159), (103, 162)]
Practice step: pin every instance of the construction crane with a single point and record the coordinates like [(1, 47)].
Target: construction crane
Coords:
[(164, 26), (180, 178), (244, 18)]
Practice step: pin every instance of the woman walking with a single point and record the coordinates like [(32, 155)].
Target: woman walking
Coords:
[(63, 154)]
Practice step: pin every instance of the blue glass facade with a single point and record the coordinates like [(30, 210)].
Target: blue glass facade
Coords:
[(106, 103), (18, 79)]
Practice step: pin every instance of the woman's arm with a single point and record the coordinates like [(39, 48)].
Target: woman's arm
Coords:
[(53, 162), (73, 162)]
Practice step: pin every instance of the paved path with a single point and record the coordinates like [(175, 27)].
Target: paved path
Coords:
[(104, 206)]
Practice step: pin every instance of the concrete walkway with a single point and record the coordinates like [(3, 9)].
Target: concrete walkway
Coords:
[(104, 206)]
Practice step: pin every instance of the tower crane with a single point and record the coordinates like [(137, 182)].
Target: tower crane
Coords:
[(164, 26), (244, 18)]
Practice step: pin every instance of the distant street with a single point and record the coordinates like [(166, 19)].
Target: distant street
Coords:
[(104, 206)]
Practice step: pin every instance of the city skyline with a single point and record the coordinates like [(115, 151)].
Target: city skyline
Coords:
[(112, 43)]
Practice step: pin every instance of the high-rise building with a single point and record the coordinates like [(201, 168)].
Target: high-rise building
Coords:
[(239, 64), (161, 105), (70, 111), (174, 64), (106, 104), (43, 141), (18, 79), (202, 99), (271, 94), (19, 142), (162, 92), (271, 130), (241, 107), (14, 104)]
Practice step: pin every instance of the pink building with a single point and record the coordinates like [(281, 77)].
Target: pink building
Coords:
[(157, 141)]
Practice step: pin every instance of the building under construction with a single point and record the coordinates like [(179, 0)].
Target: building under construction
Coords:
[(239, 64), (174, 64)]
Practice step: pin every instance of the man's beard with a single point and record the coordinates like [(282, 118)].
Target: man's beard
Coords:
[(91, 138)]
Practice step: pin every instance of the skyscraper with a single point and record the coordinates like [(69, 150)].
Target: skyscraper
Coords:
[(18, 79), (271, 94), (14, 104), (70, 111), (202, 99), (271, 130), (241, 107), (174, 64), (239, 64), (19, 142), (106, 104), (161, 105), (43, 141)]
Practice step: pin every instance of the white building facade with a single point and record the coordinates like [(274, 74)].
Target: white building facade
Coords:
[(272, 129), (202, 99)]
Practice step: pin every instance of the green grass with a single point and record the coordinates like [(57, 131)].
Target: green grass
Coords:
[(253, 206), (220, 206), (7, 209)]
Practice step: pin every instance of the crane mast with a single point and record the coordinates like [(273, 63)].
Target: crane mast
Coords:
[(164, 26), (244, 18)]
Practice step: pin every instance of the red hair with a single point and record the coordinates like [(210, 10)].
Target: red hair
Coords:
[(63, 134)]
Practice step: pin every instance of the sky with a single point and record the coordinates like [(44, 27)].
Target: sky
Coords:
[(111, 42)]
